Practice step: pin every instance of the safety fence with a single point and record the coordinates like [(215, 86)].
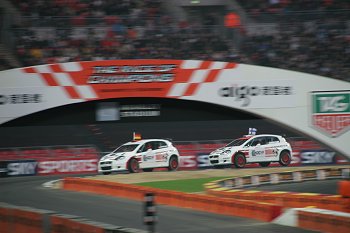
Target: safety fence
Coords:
[(30, 220), (67, 151)]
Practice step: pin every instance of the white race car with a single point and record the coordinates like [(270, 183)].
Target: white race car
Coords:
[(262, 149), (143, 154)]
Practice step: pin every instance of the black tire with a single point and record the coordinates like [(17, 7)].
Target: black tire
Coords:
[(133, 166), (264, 164), (173, 163), (147, 169), (106, 173), (239, 160), (285, 158)]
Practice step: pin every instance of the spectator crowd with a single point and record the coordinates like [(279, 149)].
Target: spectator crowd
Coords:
[(79, 30)]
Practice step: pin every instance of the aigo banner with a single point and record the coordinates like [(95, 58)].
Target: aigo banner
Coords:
[(31, 89), (276, 94)]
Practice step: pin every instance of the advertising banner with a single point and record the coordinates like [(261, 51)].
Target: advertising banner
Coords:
[(54, 85), (18, 168), (275, 94), (331, 112), (67, 166), (199, 158)]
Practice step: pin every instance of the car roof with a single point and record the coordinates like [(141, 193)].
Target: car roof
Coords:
[(145, 140), (259, 135)]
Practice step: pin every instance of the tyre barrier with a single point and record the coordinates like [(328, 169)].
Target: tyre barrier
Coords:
[(241, 208), (30, 220), (233, 188)]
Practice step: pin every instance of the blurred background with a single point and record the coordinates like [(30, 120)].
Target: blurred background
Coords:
[(310, 36)]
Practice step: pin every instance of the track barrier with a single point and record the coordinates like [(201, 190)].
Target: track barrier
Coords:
[(247, 208), (30, 220), (233, 188), (324, 220), (223, 197)]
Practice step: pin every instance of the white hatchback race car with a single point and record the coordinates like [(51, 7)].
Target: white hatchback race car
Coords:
[(144, 154), (262, 149)]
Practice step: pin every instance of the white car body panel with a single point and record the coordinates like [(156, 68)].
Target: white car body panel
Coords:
[(267, 151), (147, 158)]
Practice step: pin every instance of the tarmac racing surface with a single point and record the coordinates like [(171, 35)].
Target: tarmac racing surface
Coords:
[(28, 191)]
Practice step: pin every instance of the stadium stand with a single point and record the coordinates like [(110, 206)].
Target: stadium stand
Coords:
[(316, 41)]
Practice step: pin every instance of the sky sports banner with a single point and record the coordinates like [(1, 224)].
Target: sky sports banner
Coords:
[(48, 166), (200, 160), (276, 94)]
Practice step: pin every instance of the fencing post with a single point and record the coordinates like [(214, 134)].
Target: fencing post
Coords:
[(150, 216)]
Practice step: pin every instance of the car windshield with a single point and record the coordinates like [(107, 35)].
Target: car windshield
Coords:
[(237, 142), (125, 148)]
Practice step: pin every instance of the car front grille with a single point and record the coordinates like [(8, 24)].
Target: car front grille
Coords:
[(214, 161), (106, 163), (107, 168)]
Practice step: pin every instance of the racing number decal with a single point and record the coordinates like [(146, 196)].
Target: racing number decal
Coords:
[(161, 157), (271, 152)]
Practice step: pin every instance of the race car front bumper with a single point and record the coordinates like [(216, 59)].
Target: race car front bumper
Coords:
[(218, 159), (111, 166)]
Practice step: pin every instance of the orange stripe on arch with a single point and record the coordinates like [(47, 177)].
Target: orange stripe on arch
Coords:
[(73, 94), (56, 68), (191, 89), (212, 76), (231, 65), (29, 70), (205, 65), (50, 81)]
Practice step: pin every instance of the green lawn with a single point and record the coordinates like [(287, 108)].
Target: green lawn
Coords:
[(187, 185)]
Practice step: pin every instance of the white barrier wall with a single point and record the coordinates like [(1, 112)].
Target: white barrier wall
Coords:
[(315, 105)]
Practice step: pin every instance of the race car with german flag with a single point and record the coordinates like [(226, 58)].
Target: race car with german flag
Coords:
[(145, 154), (263, 149)]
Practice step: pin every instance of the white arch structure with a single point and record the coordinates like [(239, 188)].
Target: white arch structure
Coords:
[(314, 105)]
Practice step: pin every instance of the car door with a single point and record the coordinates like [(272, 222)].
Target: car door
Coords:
[(161, 150), (147, 155), (257, 150), (271, 151)]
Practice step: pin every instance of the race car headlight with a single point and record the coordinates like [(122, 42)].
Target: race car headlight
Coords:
[(120, 158), (226, 152)]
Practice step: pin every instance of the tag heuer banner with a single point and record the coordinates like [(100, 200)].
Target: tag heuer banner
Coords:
[(279, 95), (331, 112)]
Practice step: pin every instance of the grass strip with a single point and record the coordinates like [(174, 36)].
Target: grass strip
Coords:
[(186, 185)]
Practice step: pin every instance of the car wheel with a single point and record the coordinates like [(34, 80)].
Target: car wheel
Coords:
[(239, 160), (106, 173), (147, 169), (133, 166), (285, 158), (264, 164), (173, 163)]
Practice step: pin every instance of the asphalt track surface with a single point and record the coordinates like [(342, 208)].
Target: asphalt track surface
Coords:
[(28, 191)]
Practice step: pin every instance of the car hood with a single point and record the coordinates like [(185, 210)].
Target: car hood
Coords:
[(113, 156), (231, 148)]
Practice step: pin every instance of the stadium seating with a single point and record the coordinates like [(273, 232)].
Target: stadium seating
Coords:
[(316, 41)]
